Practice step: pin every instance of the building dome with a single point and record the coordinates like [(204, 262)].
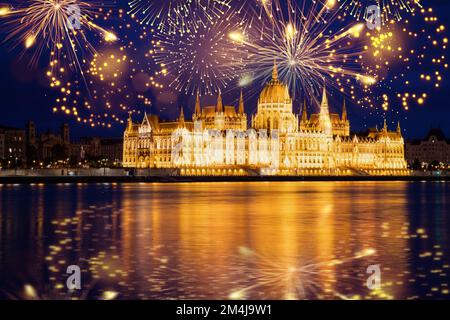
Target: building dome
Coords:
[(275, 91)]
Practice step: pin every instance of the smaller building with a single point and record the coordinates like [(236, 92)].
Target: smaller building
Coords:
[(12, 146), (111, 150), (47, 147), (103, 151), (434, 148)]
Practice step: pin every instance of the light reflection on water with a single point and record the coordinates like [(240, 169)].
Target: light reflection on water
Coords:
[(230, 240)]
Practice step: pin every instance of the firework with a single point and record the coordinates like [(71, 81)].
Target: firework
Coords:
[(296, 280), (397, 52), (60, 26), (389, 9), (176, 15), (112, 86), (203, 61), (305, 47)]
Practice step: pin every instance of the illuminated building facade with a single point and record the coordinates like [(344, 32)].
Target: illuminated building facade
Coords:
[(218, 141)]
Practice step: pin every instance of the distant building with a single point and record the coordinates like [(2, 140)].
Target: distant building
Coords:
[(26, 147), (107, 150), (112, 150), (12, 146), (435, 147), (47, 146)]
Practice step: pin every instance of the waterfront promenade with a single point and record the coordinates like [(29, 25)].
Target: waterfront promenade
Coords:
[(111, 175)]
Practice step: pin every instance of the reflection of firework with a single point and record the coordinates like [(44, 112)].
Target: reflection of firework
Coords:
[(388, 8), (305, 47), (203, 61), (60, 25), (296, 281)]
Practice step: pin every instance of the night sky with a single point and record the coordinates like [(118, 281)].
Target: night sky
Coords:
[(25, 96)]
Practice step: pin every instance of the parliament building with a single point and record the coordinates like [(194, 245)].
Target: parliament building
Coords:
[(218, 141)]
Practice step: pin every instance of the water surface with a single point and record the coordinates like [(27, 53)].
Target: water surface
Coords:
[(277, 240)]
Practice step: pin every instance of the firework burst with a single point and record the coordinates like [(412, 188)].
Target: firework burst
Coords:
[(59, 26), (306, 48), (176, 15), (409, 58), (203, 61), (389, 9)]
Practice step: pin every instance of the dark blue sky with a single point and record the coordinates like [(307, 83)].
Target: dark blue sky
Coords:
[(24, 98)]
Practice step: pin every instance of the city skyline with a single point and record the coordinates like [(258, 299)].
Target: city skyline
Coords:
[(37, 103)]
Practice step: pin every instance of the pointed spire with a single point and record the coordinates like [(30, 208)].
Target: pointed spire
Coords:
[(219, 102), (324, 116), (241, 103), (145, 116), (399, 129), (304, 112), (275, 70), (344, 112), (385, 126), (181, 117), (324, 97), (198, 110), (130, 120)]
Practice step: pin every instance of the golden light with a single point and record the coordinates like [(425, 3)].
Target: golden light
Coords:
[(366, 80), (236, 36), (356, 30), (109, 295), (236, 295), (365, 253), (110, 37), (30, 41), (330, 4), (4, 11), (290, 31), (30, 292)]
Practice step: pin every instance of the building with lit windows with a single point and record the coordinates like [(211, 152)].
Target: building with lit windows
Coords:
[(434, 148), (218, 141)]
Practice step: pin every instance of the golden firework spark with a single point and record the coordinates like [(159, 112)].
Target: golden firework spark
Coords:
[(389, 9), (59, 26), (306, 48)]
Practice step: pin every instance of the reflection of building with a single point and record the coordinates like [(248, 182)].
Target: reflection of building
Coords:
[(435, 147), (217, 141), (12, 145)]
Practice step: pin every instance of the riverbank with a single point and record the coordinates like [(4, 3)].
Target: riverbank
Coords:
[(179, 179)]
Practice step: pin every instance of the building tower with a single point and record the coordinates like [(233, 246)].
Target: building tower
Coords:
[(275, 107), (198, 110), (31, 133), (65, 134), (324, 116)]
